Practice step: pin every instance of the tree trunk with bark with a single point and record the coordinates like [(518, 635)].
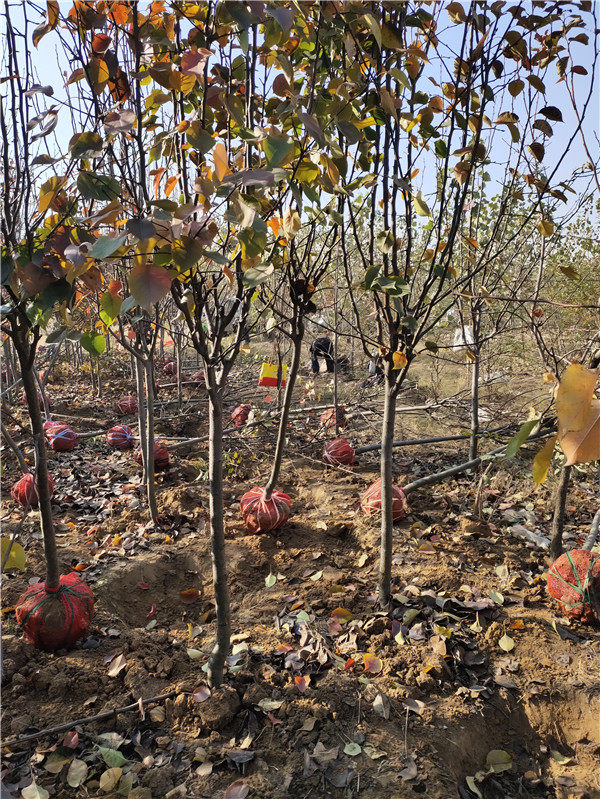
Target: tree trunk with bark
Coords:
[(387, 479), (41, 465), (216, 661), (558, 519), (285, 410)]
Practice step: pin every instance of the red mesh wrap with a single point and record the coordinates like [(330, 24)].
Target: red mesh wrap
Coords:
[(56, 619), (260, 515), (571, 580), (371, 501), (339, 452), (170, 368), (50, 423), (24, 488), (240, 416), (62, 439), (161, 456), (120, 437), (128, 404), (328, 417)]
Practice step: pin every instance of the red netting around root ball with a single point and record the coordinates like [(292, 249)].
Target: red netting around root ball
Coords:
[(24, 491), (62, 439), (371, 501), (161, 456), (120, 437), (263, 515), (56, 619), (339, 453), (170, 368), (240, 415), (328, 417), (571, 580), (128, 404)]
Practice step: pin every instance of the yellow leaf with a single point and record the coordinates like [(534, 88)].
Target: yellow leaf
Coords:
[(573, 397), (291, 222), (400, 360), (583, 445), (109, 779), (541, 462), (49, 191), (17, 557), (545, 227), (220, 160)]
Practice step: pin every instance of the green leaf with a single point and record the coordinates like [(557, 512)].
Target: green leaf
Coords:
[(94, 343), (385, 241), (277, 149), (187, 252), (370, 276), (441, 148), (149, 284), (498, 760), (86, 145), (519, 439), (105, 246), (93, 186), (352, 749), (110, 306), (17, 557), (112, 757), (552, 113)]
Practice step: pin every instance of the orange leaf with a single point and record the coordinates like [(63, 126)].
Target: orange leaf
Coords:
[(372, 663), (220, 159), (302, 683), (170, 184), (228, 274), (189, 596), (583, 446)]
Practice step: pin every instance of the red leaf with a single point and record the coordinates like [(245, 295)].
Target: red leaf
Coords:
[(149, 284), (237, 790), (273, 719), (193, 63), (100, 43), (71, 739), (143, 586), (152, 612), (302, 683)]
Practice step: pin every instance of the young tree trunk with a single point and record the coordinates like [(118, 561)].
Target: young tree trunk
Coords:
[(177, 338), (474, 406), (150, 470), (285, 411), (41, 467), (216, 662), (10, 370), (558, 519), (139, 376), (387, 478)]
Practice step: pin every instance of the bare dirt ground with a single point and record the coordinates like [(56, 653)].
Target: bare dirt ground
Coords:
[(473, 686)]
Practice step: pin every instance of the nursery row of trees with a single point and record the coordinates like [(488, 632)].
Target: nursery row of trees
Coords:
[(230, 161)]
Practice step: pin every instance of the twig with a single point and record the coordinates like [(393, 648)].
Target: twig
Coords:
[(89, 720)]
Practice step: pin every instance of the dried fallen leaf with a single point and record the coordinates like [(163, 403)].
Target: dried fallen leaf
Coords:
[(381, 706), (498, 760), (302, 683), (341, 615), (109, 779), (189, 596), (77, 773), (372, 663), (506, 643), (309, 724), (117, 665), (201, 694), (415, 705)]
